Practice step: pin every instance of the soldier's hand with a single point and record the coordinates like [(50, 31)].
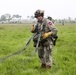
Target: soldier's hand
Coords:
[(45, 35), (32, 28)]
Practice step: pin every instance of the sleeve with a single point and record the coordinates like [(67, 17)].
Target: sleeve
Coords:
[(52, 28)]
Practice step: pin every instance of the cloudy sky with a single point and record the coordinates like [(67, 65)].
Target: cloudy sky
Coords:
[(57, 9)]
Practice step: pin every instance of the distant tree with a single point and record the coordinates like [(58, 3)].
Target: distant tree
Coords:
[(13, 16), (75, 19), (32, 17), (3, 18), (20, 17), (27, 16), (69, 18), (8, 17), (62, 22), (16, 16)]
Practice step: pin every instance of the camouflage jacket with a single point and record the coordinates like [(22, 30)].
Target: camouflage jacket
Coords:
[(48, 26)]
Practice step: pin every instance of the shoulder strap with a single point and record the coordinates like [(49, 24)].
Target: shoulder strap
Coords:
[(44, 24), (45, 21)]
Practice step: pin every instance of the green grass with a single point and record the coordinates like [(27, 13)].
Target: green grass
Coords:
[(15, 37)]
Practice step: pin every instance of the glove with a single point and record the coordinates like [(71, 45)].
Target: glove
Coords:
[(45, 35), (32, 28)]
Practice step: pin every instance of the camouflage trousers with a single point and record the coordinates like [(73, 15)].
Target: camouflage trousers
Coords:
[(45, 54)]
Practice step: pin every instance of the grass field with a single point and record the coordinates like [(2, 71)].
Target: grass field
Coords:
[(15, 37)]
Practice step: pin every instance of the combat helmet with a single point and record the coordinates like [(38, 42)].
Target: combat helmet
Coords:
[(39, 13)]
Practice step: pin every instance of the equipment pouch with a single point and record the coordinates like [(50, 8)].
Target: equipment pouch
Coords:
[(35, 39)]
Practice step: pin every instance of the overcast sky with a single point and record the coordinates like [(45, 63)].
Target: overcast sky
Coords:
[(57, 9)]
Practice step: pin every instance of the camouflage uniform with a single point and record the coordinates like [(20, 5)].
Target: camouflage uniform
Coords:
[(45, 45)]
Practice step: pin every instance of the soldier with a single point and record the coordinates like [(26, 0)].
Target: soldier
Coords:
[(62, 22), (47, 39)]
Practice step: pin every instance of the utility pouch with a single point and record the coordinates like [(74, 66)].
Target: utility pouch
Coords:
[(35, 40), (54, 39)]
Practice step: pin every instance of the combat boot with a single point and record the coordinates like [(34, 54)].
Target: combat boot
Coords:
[(43, 65), (48, 66)]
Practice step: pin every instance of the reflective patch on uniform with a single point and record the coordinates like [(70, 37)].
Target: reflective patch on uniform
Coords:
[(50, 23)]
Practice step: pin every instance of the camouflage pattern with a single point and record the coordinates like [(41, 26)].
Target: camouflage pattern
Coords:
[(46, 45), (45, 54)]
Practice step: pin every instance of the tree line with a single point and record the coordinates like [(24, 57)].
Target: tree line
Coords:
[(8, 17)]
